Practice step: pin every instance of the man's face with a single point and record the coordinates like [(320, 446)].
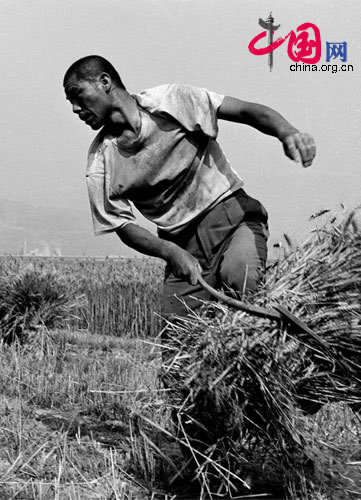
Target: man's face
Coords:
[(89, 101)]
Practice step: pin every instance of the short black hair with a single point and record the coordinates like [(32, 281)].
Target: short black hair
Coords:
[(89, 67)]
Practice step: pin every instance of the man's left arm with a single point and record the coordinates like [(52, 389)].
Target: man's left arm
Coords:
[(297, 145)]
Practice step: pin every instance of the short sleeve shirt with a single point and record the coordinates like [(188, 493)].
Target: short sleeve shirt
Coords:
[(172, 172)]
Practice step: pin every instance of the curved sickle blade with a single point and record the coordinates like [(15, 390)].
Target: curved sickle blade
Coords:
[(261, 312), (291, 318), (279, 313)]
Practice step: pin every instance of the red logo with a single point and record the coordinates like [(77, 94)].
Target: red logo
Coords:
[(305, 46)]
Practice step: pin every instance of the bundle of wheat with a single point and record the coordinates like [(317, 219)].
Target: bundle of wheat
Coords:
[(321, 282), (30, 299), (240, 385)]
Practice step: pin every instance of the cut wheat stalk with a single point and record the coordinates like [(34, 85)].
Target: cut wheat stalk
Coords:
[(243, 386)]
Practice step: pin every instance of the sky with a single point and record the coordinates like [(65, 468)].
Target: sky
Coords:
[(198, 42)]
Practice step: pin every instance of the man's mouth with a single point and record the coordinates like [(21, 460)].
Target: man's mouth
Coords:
[(86, 118)]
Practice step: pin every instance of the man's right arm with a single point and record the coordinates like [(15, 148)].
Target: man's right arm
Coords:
[(181, 262), (297, 146)]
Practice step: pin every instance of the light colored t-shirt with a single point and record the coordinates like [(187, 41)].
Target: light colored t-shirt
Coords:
[(173, 172)]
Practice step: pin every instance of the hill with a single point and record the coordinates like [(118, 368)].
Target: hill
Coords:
[(29, 229)]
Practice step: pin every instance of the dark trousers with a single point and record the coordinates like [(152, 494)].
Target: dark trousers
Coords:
[(230, 242)]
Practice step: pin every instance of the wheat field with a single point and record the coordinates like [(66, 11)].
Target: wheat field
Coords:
[(91, 408)]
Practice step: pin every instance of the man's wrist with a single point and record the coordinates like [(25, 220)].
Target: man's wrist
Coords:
[(166, 249), (282, 134)]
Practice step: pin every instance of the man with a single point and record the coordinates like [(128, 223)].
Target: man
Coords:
[(158, 150)]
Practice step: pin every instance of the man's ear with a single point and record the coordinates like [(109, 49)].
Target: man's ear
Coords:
[(105, 81)]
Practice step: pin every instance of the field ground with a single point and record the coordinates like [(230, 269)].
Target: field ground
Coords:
[(67, 402), (69, 427), (83, 414)]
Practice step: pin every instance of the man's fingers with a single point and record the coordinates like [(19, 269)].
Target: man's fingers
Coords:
[(195, 274), (193, 280), (301, 148), (293, 153), (306, 147), (184, 265)]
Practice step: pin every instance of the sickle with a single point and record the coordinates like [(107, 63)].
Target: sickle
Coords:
[(278, 313)]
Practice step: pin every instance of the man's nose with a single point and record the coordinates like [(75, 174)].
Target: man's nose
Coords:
[(76, 108)]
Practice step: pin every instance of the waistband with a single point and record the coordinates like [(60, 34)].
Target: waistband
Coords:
[(189, 228)]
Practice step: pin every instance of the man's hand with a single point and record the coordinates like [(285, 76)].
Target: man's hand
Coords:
[(300, 147), (184, 265)]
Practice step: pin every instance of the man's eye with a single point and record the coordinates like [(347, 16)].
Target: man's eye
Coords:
[(74, 94)]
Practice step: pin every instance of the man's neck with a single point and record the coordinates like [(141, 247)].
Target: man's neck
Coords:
[(124, 120)]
